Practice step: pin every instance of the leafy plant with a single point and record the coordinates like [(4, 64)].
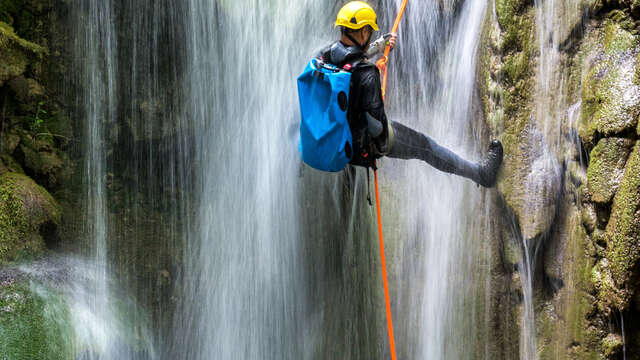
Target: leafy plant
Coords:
[(37, 121)]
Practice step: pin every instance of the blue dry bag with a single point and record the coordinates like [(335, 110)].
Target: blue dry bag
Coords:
[(325, 136)]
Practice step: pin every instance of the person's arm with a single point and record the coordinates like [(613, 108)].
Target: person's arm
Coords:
[(378, 46), (372, 102)]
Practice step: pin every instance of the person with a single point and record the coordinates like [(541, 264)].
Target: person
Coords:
[(374, 136)]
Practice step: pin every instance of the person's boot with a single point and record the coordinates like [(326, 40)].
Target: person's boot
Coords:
[(487, 170)]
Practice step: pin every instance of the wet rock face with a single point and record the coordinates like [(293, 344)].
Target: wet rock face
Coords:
[(35, 131), (610, 92), (606, 167), (623, 236), (591, 255)]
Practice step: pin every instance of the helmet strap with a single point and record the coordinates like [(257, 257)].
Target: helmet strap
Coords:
[(360, 46)]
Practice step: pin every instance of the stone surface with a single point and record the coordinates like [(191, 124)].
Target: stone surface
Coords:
[(11, 164), (589, 218), (610, 94), (43, 162), (26, 89), (606, 167), (530, 184), (28, 217), (15, 53), (8, 142), (590, 251), (612, 346), (623, 233)]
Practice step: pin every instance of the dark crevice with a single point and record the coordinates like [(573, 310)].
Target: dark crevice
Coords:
[(603, 213), (573, 344), (49, 233), (571, 45)]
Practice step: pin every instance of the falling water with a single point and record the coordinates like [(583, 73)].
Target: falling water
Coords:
[(131, 173), (243, 266), (550, 145), (199, 208), (98, 107), (443, 246)]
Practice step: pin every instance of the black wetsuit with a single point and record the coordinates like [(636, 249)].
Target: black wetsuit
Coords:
[(366, 97)]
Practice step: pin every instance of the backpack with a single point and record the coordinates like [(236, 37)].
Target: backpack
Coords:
[(325, 136)]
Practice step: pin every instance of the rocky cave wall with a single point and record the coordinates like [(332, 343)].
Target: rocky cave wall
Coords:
[(36, 132), (585, 220)]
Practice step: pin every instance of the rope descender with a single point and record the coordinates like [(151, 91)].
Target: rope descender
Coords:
[(382, 66), (382, 62)]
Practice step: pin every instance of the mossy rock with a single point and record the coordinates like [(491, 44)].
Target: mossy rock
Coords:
[(529, 167), (606, 167), (509, 117), (623, 231), (15, 53), (28, 216), (9, 142), (617, 39), (28, 17), (609, 298), (34, 323), (26, 90), (46, 164), (10, 164), (612, 346), (610, 93)]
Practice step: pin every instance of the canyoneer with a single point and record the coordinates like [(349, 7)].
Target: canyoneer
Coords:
[(343, 118)]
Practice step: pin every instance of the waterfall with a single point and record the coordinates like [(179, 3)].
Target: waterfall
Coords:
[(443, 245), (91, 300), (551, 140), (243, 266), (200, 210), (134, 174)]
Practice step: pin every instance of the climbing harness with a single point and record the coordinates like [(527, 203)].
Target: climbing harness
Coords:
[(382, 65)]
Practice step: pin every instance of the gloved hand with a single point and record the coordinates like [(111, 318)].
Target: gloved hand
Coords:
[(377, 47)]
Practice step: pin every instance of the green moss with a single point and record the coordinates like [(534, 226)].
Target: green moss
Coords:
[(608, 295), (34, 323), (617, 39), (516, 80), (612, 345), (609, 106), (8, 37), (11, 164), (8, 7), (606, 167), (623, 230), (24, 207), (513, 24), (15, 53)]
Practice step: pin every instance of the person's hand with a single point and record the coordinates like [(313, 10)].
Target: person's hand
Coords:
[(393, 38)]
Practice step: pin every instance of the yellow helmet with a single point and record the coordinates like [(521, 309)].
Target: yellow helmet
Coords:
[(356, 15)]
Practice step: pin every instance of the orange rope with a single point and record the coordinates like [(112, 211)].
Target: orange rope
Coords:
[(382, 65), (392, 343)]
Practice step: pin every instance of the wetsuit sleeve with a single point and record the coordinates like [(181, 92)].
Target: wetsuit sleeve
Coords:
[(371, 96)]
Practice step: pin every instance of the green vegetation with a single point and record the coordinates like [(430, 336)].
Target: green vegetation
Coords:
[(34, 323)]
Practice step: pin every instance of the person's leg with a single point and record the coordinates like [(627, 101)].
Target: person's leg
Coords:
[(407, 143)]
